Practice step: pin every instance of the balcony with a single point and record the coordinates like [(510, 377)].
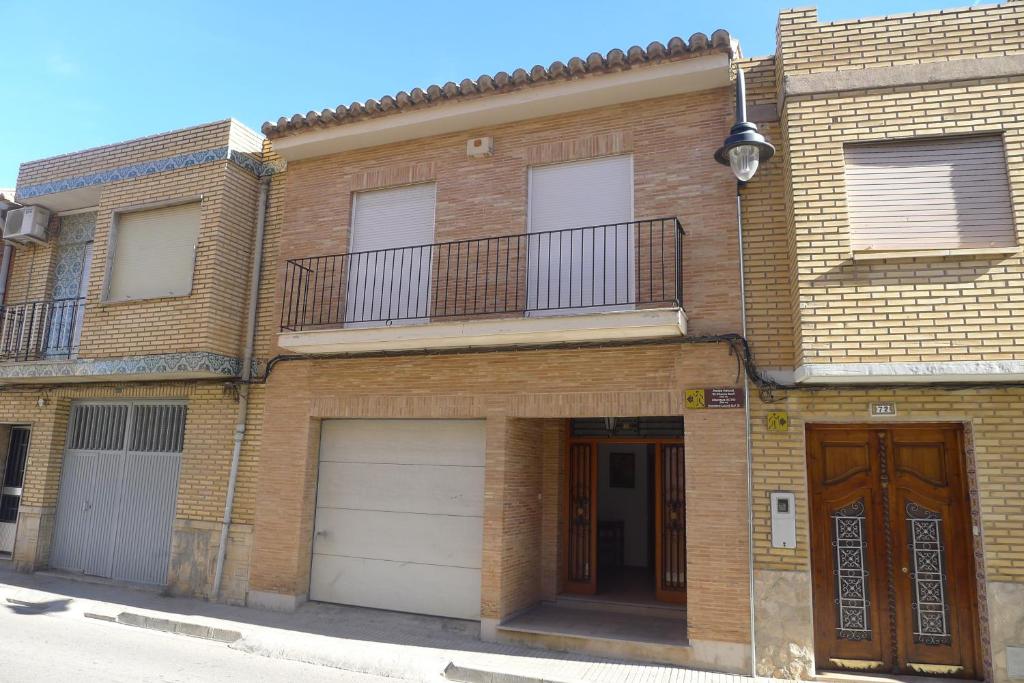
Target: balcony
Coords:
[(37, 330), (596, 283)]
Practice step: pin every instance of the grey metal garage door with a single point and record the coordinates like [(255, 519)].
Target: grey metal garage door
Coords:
[(118, 490)]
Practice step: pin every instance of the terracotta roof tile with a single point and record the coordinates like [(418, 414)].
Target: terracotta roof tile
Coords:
[(595, 63)]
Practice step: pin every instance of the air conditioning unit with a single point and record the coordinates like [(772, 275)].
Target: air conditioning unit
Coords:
[(27, 224)]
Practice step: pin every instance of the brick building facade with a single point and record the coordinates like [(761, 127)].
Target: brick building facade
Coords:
[(499, 366), (70, 348), (929, 331)]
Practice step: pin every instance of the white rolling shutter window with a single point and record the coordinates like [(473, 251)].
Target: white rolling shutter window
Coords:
[(948, 193), (154, 253), (390, 255), (563, 267)]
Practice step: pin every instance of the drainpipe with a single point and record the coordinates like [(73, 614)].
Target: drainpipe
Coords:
[(243, 387), (5, 269), (746, 427), (5, 263)]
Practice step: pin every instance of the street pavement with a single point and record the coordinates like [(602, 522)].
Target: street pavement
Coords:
[(54, 627), (43, 643)]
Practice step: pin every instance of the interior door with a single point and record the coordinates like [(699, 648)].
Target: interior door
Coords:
[(670, 523), (892, 591), (581, 519)]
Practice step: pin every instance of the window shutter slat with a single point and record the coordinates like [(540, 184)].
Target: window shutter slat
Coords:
[(948, 193)]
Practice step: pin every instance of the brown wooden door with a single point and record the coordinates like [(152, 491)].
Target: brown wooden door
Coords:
[(581, 519), (670, 523), (891, 550)]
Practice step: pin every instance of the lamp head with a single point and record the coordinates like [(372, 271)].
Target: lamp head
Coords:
[(745, 149)]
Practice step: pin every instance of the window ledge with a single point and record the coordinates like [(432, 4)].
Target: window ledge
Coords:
[(104, 303), (868, 256)]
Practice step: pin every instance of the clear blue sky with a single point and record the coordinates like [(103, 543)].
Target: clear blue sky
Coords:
[(79, 74)]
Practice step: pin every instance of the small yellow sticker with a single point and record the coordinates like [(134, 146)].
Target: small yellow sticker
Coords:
[(695, 398), (778, 421)]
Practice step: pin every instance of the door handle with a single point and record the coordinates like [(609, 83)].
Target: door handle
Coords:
[(906, 571)]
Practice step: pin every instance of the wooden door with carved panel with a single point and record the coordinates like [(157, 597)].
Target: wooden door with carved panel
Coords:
[(891, 550)]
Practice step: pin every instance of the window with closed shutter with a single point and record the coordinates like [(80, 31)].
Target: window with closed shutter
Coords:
[(940, 193), (390, 256), (154, 253), (582, 270)]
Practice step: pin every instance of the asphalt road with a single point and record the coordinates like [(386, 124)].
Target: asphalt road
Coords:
[(54, 645)]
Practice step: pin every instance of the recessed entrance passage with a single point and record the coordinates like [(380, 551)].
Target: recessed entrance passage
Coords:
[(624, 516)]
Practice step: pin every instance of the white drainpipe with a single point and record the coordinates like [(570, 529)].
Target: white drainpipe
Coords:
[(5, 269), (243, 388)]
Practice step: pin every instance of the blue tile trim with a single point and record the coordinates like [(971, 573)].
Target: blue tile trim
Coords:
[(144, 168), (167, 363)]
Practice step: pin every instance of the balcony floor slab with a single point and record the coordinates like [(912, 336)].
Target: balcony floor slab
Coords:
[(655, 323)]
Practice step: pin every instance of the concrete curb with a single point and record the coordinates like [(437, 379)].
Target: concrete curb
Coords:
[(100, 617), (467, 674), (325, 651), (184, 628)]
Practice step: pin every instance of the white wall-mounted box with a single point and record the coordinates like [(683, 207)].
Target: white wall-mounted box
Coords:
[(783, 519)]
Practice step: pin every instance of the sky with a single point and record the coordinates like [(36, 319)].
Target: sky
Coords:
[(80, 74)]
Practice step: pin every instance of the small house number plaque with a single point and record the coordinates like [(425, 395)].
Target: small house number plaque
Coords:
[(883, 409)]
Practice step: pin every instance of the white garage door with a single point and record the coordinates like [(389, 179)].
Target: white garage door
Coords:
[(399, 515)]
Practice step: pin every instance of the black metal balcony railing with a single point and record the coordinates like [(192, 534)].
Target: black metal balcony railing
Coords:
[(594, 268), (41, 329)]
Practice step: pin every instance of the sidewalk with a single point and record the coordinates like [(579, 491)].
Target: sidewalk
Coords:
[(367, 641)]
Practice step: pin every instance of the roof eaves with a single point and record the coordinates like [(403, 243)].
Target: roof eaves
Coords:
[(616, 60)]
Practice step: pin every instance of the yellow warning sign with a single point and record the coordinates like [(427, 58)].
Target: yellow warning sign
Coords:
[(695, 398), (778, 421)]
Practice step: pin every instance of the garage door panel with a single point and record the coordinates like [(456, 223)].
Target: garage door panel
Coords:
[(424, 489), (399, 519), (427, 539), (448, 442), (402, 586), (119, 485)]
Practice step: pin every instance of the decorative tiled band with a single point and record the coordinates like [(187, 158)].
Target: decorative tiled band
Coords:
[(197, 363), (144, 168)]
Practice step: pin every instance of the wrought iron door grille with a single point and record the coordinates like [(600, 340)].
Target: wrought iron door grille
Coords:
[(593, 268)]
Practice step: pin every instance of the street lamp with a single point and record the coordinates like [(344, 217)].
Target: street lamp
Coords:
[(745, 148)]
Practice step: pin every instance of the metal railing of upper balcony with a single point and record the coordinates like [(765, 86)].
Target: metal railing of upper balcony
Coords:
[(41, 329), (617, 266)]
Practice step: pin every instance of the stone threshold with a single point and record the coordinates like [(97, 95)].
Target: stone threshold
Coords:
[(609, 633)]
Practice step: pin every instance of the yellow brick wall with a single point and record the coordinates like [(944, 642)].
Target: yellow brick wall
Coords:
[(902, 309), (205, 458), (211, 318), (765, 229), (194, 139), (807, 46), (925, 309), (993, 420)]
